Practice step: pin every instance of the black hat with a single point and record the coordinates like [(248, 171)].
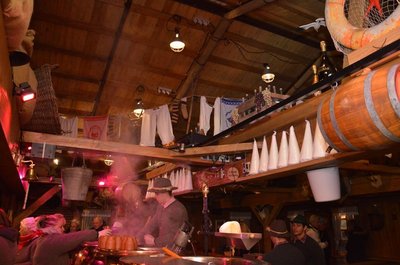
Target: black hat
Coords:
[(162, 185), (299, 219), (278, 228)]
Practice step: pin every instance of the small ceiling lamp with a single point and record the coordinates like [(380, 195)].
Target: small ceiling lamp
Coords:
[(177, 45), (25, 92), (138, 109), (108, 160), (267, 75)]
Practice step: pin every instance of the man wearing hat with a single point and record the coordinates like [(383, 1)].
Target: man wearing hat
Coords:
[(168, 218), (308, 246), (283, 253)]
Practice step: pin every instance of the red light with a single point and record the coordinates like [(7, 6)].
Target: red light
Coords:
[(102, 183), (29, 148), (27, 97)]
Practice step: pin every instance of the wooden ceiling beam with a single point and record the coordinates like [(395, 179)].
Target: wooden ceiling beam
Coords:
[(147, 68), (211, 44), (266, 47), (366, 166), (245, 8), (87, 56), (161, 170), (246, 68), (198, 63), (295, 8), (217, 149), (227, 87), (65, 22), (80, 78), (280, 31), (112, 147), (73, 112)]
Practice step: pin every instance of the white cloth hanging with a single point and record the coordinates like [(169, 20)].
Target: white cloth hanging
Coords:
[(205, 114), (158, 120), (69, 126), (217, 116)]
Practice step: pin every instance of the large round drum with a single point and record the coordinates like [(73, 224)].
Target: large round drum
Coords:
[(364, 113)]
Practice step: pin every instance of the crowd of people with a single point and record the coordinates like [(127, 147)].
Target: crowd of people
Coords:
[(48, 239), (303, 246)]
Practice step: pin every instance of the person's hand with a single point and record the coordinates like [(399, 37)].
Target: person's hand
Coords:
[(149, 240), (105, 232)]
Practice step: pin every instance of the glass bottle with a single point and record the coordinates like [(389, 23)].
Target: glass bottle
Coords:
[(326, 67)]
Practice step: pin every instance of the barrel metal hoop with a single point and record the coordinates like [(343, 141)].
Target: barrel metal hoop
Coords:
[(319, 121), (391, 84), (372, 112), (335, 125)]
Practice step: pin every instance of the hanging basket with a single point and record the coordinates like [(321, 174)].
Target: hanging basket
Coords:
[(75, 182)]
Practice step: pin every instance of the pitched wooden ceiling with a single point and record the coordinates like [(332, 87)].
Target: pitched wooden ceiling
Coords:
[(105, 49)]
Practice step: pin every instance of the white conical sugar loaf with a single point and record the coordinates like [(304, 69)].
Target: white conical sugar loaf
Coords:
[(172, 178), (319, 144), (273, 153), (255, 159), (183, 181), (294, 150), (283, 151), (307, 146), (264, 157), (189, 181)]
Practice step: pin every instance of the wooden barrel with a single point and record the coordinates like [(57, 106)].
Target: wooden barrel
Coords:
[(364, 113)]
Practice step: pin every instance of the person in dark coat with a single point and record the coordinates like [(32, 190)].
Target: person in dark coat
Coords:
[(309, 247), (8, 240), (170, 215), (52, 245), (283, 253), (98, 223)]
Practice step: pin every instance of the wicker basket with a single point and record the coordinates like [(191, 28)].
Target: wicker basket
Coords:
[(45, 118)]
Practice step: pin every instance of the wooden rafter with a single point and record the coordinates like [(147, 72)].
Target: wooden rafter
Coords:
[(112, 147)]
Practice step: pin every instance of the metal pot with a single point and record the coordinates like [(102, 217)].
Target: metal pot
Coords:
[(195, 260)]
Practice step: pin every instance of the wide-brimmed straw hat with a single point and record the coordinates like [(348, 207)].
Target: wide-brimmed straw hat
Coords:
[(161, 185), (278, 228)]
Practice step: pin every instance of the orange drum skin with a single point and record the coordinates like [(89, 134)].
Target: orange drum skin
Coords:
[(364, 113), (350, 36)]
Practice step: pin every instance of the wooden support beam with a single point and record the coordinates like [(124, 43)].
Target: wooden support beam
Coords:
[(198, 64), (329, 161), (161, 170), (34, 206), (272, 215), (218, 149), (363, 185), (266, 47), (245, 8), (365, 166), (112, 147)]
